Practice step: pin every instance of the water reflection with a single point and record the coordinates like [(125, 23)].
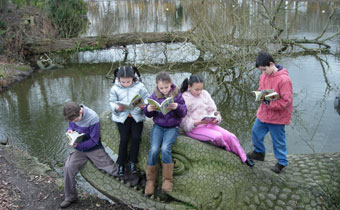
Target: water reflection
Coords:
[(122, 16), (31, 112), (299, 19)]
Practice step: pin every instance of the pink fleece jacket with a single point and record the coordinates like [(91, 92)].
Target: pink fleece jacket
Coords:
[(279, 111), (197, 108)]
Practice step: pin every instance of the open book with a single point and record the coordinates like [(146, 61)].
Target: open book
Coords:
[(163, 107), (74, 137), (268, 94), (135, 101), (209, 118)]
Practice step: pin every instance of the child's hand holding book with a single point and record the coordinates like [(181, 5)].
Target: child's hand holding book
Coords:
[(172, 106), (74, 137), (120, 108), (209, 119)]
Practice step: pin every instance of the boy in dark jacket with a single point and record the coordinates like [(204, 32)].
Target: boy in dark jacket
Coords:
[(83, 120)]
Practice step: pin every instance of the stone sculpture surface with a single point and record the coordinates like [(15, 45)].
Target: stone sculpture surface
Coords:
[(207, 177)]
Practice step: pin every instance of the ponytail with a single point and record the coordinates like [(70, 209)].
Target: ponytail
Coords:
[(185, 84)]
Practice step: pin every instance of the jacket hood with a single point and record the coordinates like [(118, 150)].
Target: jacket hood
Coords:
[(281, 71)]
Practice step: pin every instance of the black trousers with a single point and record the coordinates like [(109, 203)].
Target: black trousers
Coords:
[(130, 128)]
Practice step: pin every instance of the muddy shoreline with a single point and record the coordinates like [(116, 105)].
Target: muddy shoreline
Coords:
[(13, 73), (28, 184)]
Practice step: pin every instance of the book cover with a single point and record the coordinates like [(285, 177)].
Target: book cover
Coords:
[(74, 137), (135, 101), (268, 94), (272, 96), (210, 118), (163, 107)]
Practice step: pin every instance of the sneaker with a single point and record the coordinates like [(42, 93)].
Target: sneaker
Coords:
[(277, 168), (133, 168), (250, 162), (256, 155), (121, 170), (66, 203)]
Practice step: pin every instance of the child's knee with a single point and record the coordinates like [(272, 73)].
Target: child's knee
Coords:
[(154, 151), (217, 137), (166, 150)]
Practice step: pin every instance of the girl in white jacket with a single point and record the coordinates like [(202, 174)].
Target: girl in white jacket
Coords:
[(129, 119), (200, 104)]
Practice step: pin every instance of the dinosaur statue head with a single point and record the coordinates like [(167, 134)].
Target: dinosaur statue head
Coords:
[(207, 177)]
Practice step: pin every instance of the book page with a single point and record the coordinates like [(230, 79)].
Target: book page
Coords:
[(137, 100), (272, 96), (210, 118), (121, 103), (74, 137), (165, 104), (155, 103), (260, 95)]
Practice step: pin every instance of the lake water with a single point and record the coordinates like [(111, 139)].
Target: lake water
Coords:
[(31, 111)]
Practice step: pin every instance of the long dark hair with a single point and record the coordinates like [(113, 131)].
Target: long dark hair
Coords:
[(126, 71), (195, 78)]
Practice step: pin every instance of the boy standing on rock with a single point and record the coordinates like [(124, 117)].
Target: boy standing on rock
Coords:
[(272, 116), (83, 120)]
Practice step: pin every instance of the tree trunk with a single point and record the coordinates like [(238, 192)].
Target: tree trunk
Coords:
[(3, 6), (32, 47)]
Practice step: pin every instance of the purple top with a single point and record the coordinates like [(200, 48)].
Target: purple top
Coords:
[(89, 124), (172, 118)]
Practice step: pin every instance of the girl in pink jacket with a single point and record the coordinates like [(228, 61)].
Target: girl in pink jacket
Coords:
[(199, 104)]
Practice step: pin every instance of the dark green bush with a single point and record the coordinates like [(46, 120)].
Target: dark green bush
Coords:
[(69, 16)]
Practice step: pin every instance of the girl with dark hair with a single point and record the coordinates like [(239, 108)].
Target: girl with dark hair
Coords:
[(129, 121), (199, 104), (164, 132)]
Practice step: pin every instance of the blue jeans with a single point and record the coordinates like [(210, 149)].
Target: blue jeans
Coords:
[(162, 138), (278, 135)]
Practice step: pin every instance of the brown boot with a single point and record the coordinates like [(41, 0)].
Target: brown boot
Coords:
[(151, 176), (167, 171)]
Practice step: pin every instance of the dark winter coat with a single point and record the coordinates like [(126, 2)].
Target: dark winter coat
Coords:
[(172, 118)]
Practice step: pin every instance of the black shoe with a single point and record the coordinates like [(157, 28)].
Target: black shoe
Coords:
[(277, 168), (250, 162), (66, 203), (133, 169), (121, 171), (256, 155)]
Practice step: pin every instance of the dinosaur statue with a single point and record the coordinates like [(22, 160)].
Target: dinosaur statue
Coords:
[(207, 177)]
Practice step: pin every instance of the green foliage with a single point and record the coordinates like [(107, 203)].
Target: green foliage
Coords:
[(69, 16), (35, 3), (3, 27)]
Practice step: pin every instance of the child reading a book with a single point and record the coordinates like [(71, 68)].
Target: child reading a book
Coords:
[(129, 119), (199, 104), (85, 121), (164, 131), (272, 116)]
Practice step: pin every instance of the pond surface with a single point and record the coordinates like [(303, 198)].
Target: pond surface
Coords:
[(31, 111)]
